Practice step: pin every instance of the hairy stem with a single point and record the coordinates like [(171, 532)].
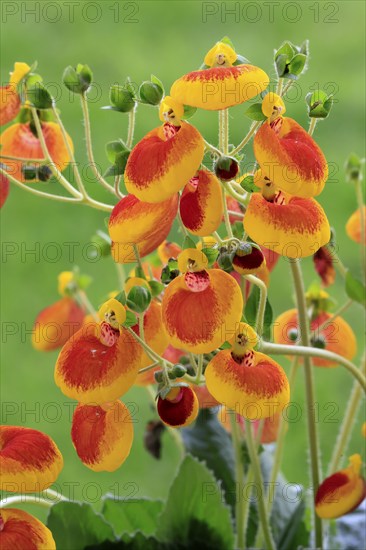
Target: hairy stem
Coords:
[(252, 130), (262, 302)]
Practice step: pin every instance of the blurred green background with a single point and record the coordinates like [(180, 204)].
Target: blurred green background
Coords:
[(119, 39)]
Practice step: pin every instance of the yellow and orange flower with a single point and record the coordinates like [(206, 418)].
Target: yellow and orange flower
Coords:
[(9, 98), (144, 224), (341, 492), (55, 324), (248, 259), (323, 263), (18, 140), (222, 84), (200, 307), (20, 530), (101, 361), (102, 435), (336, 336), (30, 461), (201, 204), (293, 226), (164, 160), (179, 408), (247, 381), (353, 225), (290, 157)]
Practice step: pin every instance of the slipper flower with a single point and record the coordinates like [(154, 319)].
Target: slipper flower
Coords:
[(163, 162), (9, 98), (269, 430), (102, 435), (141, 223), (293, 226), (222, 84), (287, 154), (30, 461), (18, 140), (353, 225), (179, 408), (248, 259), (201, 205), (4, 189), (168, 250), (200, 307), (20, 530), (336, 336), (249, 382), (341, 492), (101, 361)]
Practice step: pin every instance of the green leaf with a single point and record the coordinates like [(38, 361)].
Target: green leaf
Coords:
[(113, 148), (189, 111), (286, 49), (78, 79), (297, 64), (156, 288), (121, 297), (118, 168), (295, 534), (319, 104), (131, 319), (251, 308), (241, 60), (355, 289), (248, 184), (208, 441), (255, 112), (211, 254), (39, 96), (130, 515), (137, 541), (158, 82), (76, 525), (281, 65), (195, 512), (188, 243)]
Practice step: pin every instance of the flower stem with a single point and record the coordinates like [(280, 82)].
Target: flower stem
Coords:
[(252, 130), (262, 302), (211, 148), (89, 148), (338, 262), (348, 420), (40, 499), (279, 87), (254, 460), (309, 392), (121, 275), (199, 368), (224, 145), (83, 298), (362, 222), (312, 125), (282, 349), (131, 127), (117, 181), (239, 478)]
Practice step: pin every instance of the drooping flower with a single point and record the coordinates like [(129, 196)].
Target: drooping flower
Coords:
[(141, 223), (101, 361), (292, 226), (9, 98), (341, 492), (287, 154), (353, 225), (179, 408), (336, 336), (102, 435), (166, 158), (248, 259), (247, 381), (222, 84), (30, 461), (323, 263), (18, 140), (20, 530), (200, 307), (201, 204), (4, 189)]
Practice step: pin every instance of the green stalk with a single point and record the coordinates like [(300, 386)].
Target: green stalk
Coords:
[(239, 478), (262, 302), (309, 392)]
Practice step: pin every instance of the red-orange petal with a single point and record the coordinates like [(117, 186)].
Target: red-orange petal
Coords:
[(341, 492), (21, 531), (159, 167), (29, 460), (144, 224), (219, 87), (182, 411), (9, 103), (296, 229), (353, 225), (91, 372), (201, 205), (290, 158), (255, 391), (338, 335), (55, 324), (19, 141), (323, 263), (201, 321), (102, 435)]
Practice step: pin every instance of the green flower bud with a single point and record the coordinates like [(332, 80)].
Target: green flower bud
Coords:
[(121, 98), (39, 96), (79, 79), (150, 93), (139, 299)]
